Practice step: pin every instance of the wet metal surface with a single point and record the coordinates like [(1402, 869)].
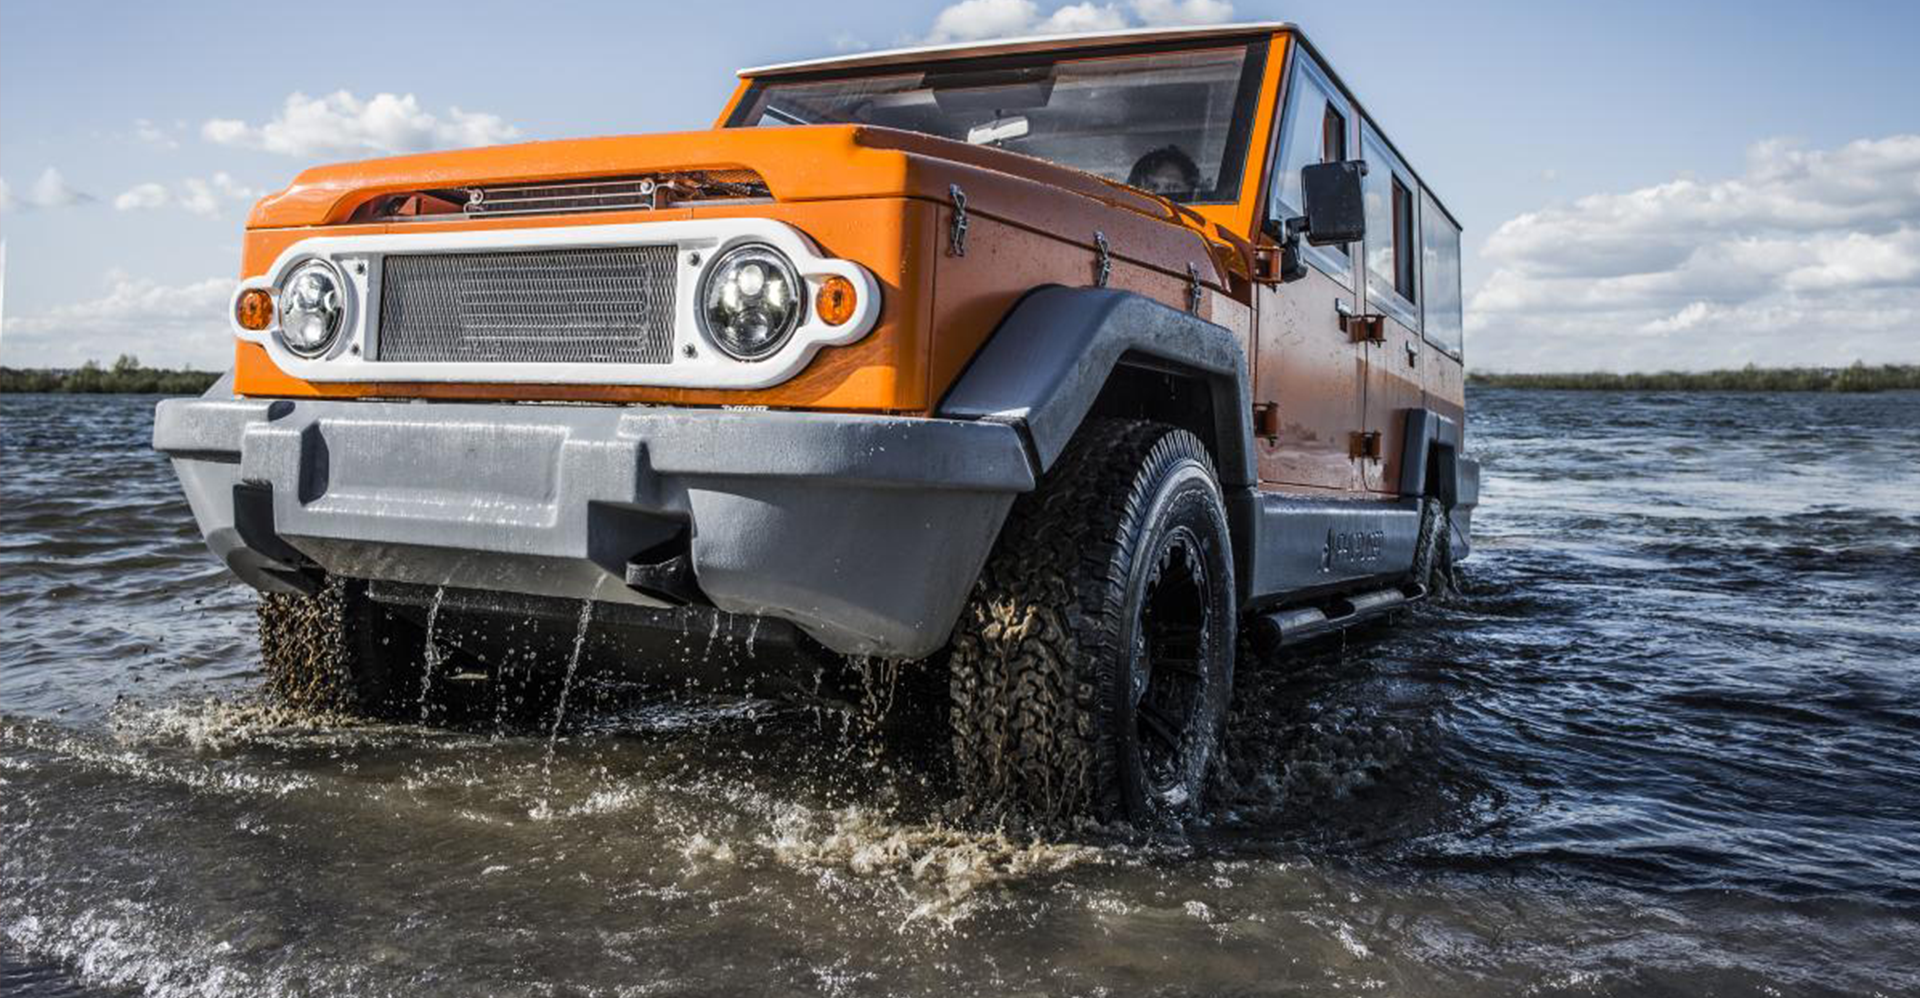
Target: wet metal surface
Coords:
[(1668, 743)]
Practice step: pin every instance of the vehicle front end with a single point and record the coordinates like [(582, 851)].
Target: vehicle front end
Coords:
[(384, 421), (684, 370)]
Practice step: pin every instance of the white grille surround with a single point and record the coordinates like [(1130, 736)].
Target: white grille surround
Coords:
[(673, 255)]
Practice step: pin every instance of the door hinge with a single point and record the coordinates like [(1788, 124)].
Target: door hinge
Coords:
[(1102, 259), (1266, 420), (957, 231), (1366, 445), (1365, 328)]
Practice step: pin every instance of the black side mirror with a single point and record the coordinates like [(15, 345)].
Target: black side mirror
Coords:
[(1336, 206), (1336, 212)]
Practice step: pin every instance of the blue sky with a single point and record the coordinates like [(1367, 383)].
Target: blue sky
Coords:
[(1644, 185)]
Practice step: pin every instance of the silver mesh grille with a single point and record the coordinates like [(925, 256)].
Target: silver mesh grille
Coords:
[(614, 193), (593, 306), (562, 196)]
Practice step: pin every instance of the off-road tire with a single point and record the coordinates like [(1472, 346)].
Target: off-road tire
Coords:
[(1050, 656), (338, 650), (1433, 550)]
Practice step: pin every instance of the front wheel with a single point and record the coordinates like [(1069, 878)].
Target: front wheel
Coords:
[(1091, 669)]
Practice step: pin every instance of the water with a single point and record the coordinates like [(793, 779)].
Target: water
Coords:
[(431, 652), (1667, 743), (566, 684)]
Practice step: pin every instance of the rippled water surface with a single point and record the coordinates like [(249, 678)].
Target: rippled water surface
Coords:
[(1667, 743)]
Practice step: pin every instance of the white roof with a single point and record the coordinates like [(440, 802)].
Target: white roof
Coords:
[(1006, 46)]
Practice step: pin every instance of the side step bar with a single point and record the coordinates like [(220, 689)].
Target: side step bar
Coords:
[(1296, 624)]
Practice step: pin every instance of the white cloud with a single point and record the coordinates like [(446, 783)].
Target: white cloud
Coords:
[(53, 191), (147, 131), (970, 20), (976, 20), (201, 197), (142, 196), (1807, 257), (226, 131), (198, 197), (205, 197), (847, 41), (341, 124), (49, 190), (1161, 13), (164, 325), (1078, 17)]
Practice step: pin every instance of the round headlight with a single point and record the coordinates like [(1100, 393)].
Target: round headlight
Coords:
[(311, 308), (751, 300)]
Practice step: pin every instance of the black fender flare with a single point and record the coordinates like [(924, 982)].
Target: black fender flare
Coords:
[(1046, 364), (1450, 476)]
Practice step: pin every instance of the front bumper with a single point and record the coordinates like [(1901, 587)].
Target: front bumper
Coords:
[(864, 531)]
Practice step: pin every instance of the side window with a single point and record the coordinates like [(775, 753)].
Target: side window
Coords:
[(1440, 277), (1314, 130), (1333, 148), (1333, 136), (1393, 275), (1403, 262)]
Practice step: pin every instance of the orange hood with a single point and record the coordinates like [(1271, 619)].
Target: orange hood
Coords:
[(811, 163)]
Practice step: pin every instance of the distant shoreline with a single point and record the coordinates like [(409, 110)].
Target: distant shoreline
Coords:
[(1856, 378), (127, 377), (124, 377)]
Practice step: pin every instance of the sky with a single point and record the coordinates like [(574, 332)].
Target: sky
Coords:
[(1644, 186)]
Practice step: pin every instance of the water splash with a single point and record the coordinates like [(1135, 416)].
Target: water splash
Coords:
[(566, 687), (940, 872), (879, 683), (432, 652)]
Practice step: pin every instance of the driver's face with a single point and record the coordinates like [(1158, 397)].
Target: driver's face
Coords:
[(1167, 179)]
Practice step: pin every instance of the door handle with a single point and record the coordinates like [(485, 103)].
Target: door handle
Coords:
[(1413, 353), (1367, 328), (1360, 327)]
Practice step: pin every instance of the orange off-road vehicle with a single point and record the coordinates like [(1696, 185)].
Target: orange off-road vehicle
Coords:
[(1059, 365)]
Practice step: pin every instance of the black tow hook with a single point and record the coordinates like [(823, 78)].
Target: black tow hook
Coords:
[(669, 579)]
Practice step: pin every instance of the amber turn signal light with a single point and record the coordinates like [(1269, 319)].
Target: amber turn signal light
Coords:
[(835, 301), (254, 309)]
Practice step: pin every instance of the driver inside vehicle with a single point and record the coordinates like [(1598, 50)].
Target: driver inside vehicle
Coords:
[(1166, 171)]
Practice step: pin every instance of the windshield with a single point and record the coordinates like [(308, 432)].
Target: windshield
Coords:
[(1171, 122)]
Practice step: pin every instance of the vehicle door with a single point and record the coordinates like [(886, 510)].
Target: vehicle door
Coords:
[(1395, 355), (1307, 367)]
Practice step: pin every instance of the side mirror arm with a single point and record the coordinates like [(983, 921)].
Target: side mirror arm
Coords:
[(1286, 233)]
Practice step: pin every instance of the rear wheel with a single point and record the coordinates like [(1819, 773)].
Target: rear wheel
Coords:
[(340, 650), (1091, 669), (1433, 549)]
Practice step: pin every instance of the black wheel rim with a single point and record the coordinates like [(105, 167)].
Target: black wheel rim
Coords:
[(1172, 646)]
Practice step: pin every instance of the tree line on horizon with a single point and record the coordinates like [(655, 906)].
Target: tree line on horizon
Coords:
[(1858, 377), (127, 376)]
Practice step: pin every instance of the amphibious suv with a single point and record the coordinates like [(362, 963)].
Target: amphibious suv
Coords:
[(1068, 369)]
